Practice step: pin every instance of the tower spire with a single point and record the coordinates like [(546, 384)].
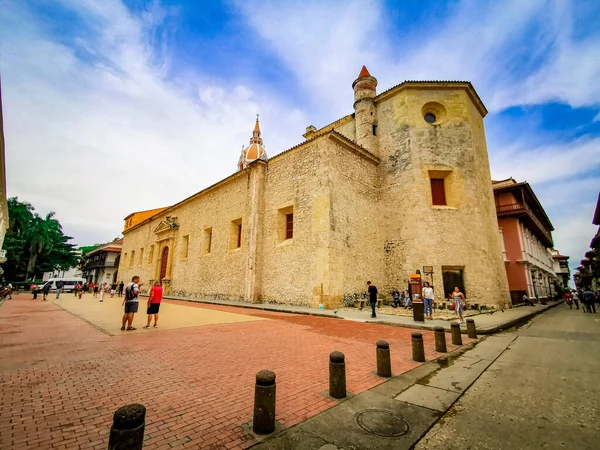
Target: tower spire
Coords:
[(255, 150), (256, 139)]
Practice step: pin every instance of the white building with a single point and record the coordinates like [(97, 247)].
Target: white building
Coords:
[(101, 264)]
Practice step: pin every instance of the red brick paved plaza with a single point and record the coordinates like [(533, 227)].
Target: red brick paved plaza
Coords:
[(63, 378)]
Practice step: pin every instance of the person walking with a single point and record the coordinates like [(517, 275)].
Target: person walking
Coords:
[(103, 288), (154, 300), (576, 299), (113, 289), (9, 288), (96, 289), (372, 298), (131, 303), (121, 285), (46, 290), (459, 303), (589, 301), (59, 286), (428, 300)]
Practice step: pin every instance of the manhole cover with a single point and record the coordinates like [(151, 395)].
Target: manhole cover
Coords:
[(381, 422)]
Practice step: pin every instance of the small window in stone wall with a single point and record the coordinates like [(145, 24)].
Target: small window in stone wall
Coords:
[(141, 259), (207, 241), (132, 259), (151, 254), (184, 246), (235, 234), (285, 223)]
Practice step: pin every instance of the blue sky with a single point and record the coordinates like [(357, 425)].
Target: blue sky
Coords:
[(113, 106)]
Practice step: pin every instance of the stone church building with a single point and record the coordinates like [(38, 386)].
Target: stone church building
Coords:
[(401, 184)]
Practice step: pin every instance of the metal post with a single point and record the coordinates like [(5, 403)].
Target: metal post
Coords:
[(264, 403), (337, 375), (127, 430), (384, 364), (418, 349), (440, 340), (471, 331), (456, 337)]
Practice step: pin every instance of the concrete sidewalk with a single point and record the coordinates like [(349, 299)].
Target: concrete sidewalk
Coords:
[(487, 323)]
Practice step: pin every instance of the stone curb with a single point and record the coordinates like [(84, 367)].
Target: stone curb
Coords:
[(488, 330)]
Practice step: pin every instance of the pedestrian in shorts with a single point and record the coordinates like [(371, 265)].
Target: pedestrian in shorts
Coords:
[(131, 303)]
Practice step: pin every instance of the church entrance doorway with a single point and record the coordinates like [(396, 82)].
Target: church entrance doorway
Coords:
[(163, 263)]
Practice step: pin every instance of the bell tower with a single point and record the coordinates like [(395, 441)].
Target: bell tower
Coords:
[(365, 111)]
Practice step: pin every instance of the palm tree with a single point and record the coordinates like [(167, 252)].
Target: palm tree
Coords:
[(41, 238)]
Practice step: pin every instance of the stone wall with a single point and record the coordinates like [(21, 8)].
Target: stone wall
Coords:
[(355, 216), (218, 273), (464, 233)]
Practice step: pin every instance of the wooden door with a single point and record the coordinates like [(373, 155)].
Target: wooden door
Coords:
[(163, 263)]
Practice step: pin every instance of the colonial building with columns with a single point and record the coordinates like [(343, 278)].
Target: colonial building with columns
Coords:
[(400, 184)]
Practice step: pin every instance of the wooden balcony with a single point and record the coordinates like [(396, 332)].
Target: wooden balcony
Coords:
[(520, 209)]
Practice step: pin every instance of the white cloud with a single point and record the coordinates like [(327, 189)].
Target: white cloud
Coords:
[(96, 138), (514, 52), (560, 162)]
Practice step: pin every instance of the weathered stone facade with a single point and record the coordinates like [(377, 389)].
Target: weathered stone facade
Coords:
[(360, 196)]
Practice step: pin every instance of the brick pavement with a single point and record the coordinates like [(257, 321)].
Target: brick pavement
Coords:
[(62, 379)]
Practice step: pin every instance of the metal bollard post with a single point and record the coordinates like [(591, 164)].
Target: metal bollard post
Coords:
[(337, 375), (417, 347), (264, 403), (440, 340), (384, 364), (456, 337), (127, 430), (471, 330)]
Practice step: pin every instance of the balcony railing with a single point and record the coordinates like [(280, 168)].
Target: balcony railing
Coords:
[(520, 207)]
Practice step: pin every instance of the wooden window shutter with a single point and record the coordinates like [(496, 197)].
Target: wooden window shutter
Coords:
[(438, 194)]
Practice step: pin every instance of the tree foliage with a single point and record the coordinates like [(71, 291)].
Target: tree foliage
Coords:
[(35, 244)]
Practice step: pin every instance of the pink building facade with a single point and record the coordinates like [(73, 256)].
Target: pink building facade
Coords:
[(527, 238)]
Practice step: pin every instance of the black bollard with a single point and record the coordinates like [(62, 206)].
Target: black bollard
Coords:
[(127, 430), (417, 347), (456, 337), (337, 375), (264, 403), (471, 331), (440, 340), (384, 364)]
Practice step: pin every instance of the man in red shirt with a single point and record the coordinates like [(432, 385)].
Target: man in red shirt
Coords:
[(154, 298)]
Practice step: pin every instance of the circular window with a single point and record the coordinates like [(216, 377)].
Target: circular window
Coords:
[(433, 113)]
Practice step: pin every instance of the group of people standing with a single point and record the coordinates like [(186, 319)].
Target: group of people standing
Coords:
[(403, 299), (131, 303), (99, 289), (587, 297)]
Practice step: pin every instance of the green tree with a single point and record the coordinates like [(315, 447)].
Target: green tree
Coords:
[(35, 244)]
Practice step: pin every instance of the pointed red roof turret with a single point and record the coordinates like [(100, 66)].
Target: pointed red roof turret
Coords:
[(364, 72)]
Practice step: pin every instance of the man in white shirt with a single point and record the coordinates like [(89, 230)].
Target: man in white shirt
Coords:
[(131, 303), (428, 300)]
